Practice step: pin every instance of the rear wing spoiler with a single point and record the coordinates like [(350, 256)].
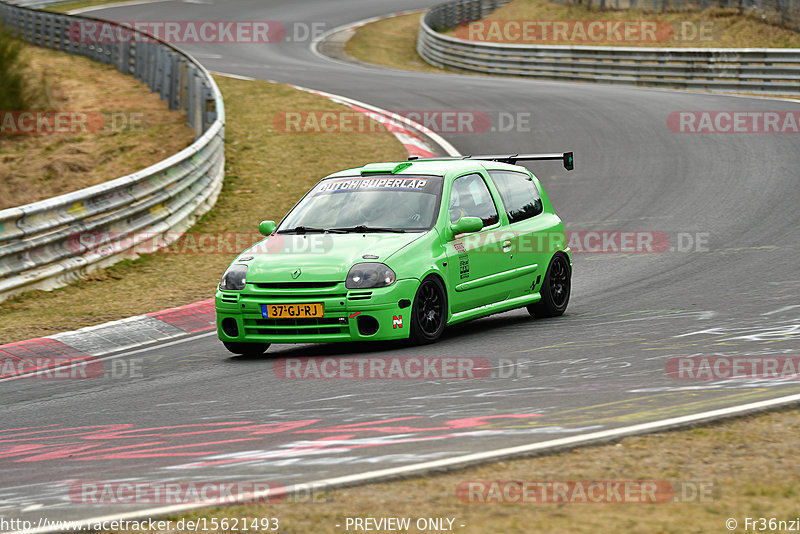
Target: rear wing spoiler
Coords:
[(565, 157)]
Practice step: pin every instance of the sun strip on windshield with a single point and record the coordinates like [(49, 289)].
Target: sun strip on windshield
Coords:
[(409, 184)]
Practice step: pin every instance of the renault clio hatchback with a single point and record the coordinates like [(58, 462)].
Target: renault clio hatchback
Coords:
[(400, 250)]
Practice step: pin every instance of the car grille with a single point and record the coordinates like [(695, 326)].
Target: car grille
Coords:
[(296, 327), (267, 292), (296, 285), (335, 321)]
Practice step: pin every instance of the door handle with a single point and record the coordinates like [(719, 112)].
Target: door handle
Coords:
[(506, 246)]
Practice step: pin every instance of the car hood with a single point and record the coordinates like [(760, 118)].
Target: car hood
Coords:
[(318, 257)]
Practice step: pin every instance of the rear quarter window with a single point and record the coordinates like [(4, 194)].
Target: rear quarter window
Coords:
[(519, 194)]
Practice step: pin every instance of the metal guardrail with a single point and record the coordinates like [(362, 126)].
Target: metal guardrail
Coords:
[(750, 70), (49, 243), (451, 14)]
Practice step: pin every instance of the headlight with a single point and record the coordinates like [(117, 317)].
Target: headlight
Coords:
[(233, 279), (368, 275)]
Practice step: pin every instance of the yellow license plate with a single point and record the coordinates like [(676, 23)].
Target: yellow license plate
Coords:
[(291, 311)]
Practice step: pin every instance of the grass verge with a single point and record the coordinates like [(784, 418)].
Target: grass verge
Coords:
[(123, 127), (709, 28), (390, 42), (266, 173)]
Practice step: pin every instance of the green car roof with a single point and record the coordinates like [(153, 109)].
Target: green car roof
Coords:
[(443, 167)]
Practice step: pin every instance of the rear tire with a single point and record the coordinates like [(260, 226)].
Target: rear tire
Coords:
[(246, 349), (555, 289), (429, 312)]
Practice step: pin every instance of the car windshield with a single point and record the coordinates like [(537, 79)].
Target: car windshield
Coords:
[(382, 203)]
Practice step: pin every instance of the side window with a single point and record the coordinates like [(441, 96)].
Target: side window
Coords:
[(520, 196), (471, 198)]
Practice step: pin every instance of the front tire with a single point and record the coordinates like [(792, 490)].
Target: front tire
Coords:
[(246, 349), (429, 312), (555, 289)]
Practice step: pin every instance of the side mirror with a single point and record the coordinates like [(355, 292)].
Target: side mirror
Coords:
[(466, 225), (267, 227)]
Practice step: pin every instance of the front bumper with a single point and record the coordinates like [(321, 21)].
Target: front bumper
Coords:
[(343, 310)]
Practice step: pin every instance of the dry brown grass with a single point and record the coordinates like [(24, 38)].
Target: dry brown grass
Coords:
[(730, 28), (391, 42), (266, 173), (38, 166)]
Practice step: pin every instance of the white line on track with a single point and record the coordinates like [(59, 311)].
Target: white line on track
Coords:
[(154, 345), (110, 6), (781, 310)]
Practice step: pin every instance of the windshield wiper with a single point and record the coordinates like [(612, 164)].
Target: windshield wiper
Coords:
[(309, 230), (364, 228)]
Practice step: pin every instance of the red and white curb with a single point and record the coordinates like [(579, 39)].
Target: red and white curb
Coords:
[(41, 357)]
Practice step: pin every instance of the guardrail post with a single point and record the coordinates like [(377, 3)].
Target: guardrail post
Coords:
[(152, 65), (125, 57), (174, 81), (138, 51), (195, 101), (190, 97), (183, 85), (209, 107), (158, 75), (166, 87), (59, 35), (37, 30), (51, 35)]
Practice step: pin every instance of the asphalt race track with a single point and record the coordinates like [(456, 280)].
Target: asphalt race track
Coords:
[(196, 413)]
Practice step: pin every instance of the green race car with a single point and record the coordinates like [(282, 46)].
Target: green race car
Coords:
[(400, 250)]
